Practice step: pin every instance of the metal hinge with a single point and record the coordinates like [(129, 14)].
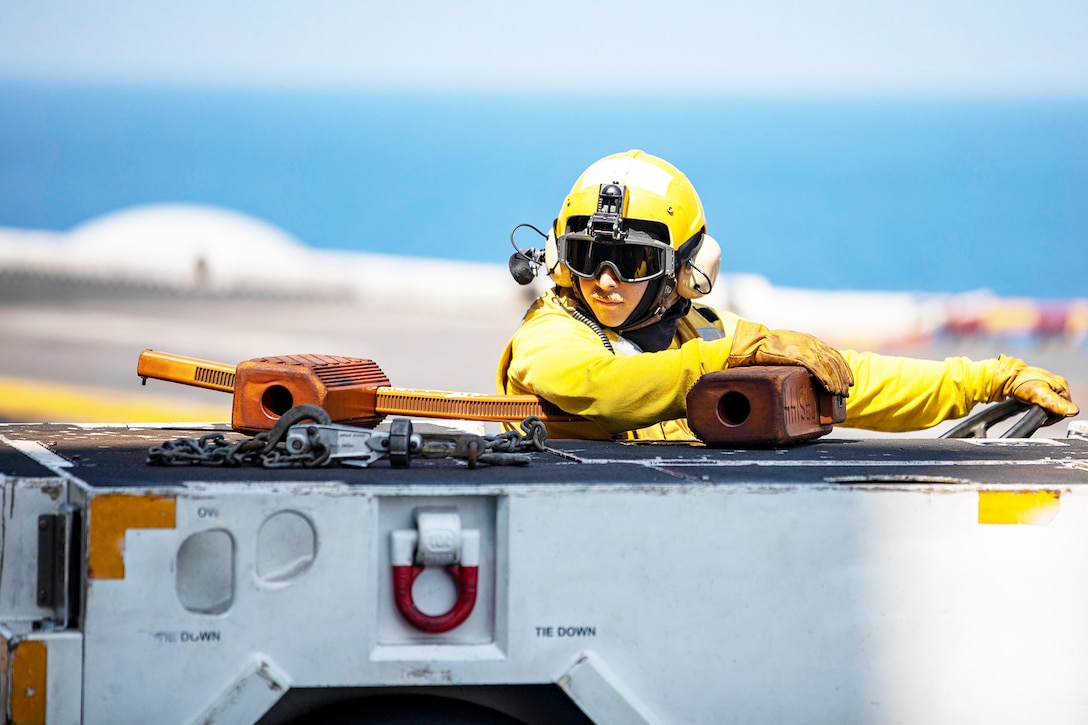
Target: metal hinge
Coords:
[(57, 586)]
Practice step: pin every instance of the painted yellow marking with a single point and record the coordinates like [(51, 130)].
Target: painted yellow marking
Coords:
[(111, 515), (1017, 507), (29, 674), (38, 401)]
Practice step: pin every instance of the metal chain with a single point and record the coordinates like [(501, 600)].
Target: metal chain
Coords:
[(209, 450), (262, 449), (266, 448), (505, 449), (533, 435)]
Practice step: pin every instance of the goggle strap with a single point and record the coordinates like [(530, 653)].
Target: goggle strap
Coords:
[(688, 249)]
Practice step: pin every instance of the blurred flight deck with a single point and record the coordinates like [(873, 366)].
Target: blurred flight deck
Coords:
[(77, 308)]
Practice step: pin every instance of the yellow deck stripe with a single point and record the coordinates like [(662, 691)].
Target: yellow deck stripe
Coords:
[(37, 401)]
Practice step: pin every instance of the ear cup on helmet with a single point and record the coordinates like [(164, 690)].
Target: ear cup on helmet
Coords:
[(697, 276), (557, 270)]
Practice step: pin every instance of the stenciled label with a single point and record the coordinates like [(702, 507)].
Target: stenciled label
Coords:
[(800, 403), (568, 631), (186, 636)]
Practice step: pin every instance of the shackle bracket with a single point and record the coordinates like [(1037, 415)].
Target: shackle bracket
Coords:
[(437, 540)]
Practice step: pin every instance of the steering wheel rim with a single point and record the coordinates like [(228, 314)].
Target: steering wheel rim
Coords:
[(1033, 417)]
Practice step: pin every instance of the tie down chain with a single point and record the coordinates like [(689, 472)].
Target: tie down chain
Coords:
[(293, 443)]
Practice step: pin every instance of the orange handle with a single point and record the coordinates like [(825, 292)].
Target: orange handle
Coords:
[(186, 370)]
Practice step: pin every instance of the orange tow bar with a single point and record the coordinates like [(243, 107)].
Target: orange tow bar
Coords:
[(739, 407), (353, 391)]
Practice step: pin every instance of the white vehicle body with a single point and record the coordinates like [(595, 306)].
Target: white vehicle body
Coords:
[(840, 581)]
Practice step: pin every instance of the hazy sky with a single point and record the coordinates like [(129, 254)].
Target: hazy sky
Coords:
[(717, 46)]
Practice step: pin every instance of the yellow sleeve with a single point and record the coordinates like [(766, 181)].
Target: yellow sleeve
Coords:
[(898, 394), (562, 360)]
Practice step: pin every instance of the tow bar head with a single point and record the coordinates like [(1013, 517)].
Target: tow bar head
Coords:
[(756, 407), (266, 388)]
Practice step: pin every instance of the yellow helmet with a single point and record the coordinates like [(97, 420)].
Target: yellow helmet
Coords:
[(656, 192), (640, 215)]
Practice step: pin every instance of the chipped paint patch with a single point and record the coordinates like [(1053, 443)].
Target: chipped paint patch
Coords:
[(29, 677), (898, 478), (111, 515), (1018, 507)]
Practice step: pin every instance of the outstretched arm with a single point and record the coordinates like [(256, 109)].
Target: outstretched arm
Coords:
[(904, 394)]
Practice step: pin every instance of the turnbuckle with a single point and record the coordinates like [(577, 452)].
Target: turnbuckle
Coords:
[(352, 446)]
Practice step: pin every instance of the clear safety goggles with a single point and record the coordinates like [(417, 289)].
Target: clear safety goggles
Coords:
[(636, 258)]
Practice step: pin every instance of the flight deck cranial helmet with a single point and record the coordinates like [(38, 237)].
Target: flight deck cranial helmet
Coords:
[(639, 215)]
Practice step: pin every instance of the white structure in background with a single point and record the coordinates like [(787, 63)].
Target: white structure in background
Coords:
[(204, 249), (843, 318), (209, 250)]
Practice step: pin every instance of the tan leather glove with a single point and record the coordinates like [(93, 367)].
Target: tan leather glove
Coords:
[(754, 344), (1015, 378)]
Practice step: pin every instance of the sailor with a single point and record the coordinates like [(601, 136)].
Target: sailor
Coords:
[(619, 340)]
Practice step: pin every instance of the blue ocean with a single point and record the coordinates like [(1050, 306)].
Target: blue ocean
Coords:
[(891, 194)]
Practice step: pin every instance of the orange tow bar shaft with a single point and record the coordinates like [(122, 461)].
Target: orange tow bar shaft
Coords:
[(354, 391)]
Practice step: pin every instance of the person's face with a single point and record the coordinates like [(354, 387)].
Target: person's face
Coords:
[(611, 300)]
